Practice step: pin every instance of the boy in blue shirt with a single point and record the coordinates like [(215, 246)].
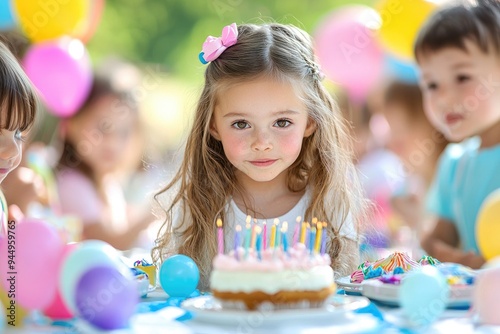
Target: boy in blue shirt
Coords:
[(458, 52)]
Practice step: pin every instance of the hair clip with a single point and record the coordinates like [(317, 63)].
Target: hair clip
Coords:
[(214, 46)]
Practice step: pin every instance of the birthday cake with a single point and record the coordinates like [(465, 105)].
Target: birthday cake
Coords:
[(272, 278)]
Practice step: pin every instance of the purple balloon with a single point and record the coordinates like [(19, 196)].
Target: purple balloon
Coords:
[(62, 73), (106, 298)]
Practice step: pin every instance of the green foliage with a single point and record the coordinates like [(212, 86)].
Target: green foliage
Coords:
[(171, 32)]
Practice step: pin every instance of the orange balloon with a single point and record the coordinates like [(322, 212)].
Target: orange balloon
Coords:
[(89, 26)]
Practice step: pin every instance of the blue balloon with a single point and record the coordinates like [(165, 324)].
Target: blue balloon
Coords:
[(179, 276), (423, 295), (6, 17), (401, 70)]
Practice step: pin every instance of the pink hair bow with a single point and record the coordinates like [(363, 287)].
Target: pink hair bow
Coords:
[(214, 46)]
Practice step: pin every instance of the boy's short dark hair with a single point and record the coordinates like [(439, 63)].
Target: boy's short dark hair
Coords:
[(452, 25)]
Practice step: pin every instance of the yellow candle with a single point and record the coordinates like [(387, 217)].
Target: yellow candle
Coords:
[(254, 235), (303, 233), (317, 244), (273, 236)]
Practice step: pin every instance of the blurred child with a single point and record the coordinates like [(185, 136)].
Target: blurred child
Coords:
[(458, 52), (97, 140), (417, 143), (267, 141), (18, 106)]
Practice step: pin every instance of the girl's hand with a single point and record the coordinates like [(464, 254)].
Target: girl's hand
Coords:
[(15, 213)]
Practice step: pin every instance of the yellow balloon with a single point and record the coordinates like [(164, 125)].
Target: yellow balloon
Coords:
[(488, 226), (49, 19), (401, 21), (14, 313)]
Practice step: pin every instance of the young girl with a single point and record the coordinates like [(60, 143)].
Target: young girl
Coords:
[(267, 141), (18, 106), (96, 142), (458, 52)]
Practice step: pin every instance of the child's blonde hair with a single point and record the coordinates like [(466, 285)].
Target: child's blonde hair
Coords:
[(18, 98), (206, 178)]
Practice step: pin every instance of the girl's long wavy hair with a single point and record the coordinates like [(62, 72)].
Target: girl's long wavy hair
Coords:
[(206, 180)]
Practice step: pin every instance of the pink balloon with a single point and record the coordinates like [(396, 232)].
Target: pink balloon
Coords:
[(57, 308), (32, 275), (347, 50), (62, 73), (486, 299)]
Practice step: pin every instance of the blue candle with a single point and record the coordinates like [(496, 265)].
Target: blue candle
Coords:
[(323, 239), (284, 229), (312, 238), (258, 246), (276, 222)]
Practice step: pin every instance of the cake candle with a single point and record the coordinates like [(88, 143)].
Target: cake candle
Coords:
[(284, 229), (258, 242), (323, 239), (220, 236), (237, 238), (277, 231), (247, 235), (272, 236), (303, 233), (312, 239), (254, 236), (296, 230), (317, 243), (264, 235), (306, 235)]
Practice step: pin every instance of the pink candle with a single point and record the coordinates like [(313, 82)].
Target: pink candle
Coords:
[(220, 236), (264, 236), (296, 230)]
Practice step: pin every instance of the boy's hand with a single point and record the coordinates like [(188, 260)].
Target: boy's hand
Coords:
[(473, 260)]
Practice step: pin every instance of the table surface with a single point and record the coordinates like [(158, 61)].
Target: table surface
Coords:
[(372, 319)]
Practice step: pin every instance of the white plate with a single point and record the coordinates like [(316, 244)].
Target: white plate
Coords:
[(460, 296), (345, 283), (208, 309)]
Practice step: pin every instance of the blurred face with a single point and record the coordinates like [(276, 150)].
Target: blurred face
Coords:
[(406, 134), (11, 145), (103, 134), (462, 91), (261, 124)]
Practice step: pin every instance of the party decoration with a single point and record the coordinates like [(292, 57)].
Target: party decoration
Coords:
[(88, 27), (57, 308), (31, 266), (401, 70), (488, 226), (106, 298), (401, 21), (6, 17), (423, 295), (45, 20), (179, 276), (61, 71), (89, 254), (486, 300), (347, 49)]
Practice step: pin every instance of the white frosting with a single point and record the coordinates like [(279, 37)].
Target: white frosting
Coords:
[(313, 279), (271, 271)]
